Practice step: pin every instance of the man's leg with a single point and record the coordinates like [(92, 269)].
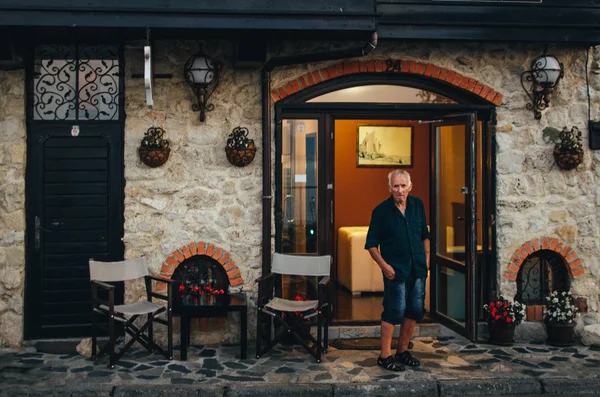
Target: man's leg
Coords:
[(406, 331), (387, 333), (415, 294)]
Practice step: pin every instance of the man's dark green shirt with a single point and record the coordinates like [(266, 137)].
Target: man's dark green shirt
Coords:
[(400, 237)]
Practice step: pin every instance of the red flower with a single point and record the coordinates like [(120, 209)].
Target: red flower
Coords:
[(181, 288), (497, 317), (505, 314), (509, 320), (493, 304)]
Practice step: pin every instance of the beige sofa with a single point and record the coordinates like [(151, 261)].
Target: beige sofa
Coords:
[(356, 269)]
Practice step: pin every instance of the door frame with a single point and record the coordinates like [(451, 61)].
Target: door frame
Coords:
[(31, 323), (296, 107)]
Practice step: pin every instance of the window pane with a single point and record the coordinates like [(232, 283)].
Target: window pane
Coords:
[(382, 94), (54, 81), (299, 186), (98, 83)]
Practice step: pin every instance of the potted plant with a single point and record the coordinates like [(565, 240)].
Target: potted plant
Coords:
[(568, 151), (559, 317), (240, 149), (502, 317), (154, 150)]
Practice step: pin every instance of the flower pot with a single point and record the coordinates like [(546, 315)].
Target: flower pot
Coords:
[(560, 334), (501, 334), (240, 157), (154, 157), (568, 159)]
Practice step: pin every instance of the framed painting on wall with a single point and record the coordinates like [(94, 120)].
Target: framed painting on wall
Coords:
[(384, 146)]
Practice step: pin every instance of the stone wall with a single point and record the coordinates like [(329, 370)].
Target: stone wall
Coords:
[(12, 206), (198, 196), (535, 198)]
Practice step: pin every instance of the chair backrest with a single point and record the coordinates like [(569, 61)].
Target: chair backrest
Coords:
[(301, 265), (129, 269)]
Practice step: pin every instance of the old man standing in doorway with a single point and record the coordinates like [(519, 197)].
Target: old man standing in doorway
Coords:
[(398, 241)]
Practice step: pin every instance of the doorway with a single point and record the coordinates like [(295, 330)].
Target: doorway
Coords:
[(74, 183), (460, 206)]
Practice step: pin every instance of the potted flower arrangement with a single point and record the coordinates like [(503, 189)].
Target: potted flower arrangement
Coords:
[(154, 150), (503, 316), (568, 151), (240, 149), (559, 317)]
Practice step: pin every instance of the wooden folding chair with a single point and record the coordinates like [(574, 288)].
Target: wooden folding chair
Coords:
[(103, 273), (273, 308)]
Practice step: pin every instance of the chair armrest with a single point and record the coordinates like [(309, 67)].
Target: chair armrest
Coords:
[(264, 278), (111, 295), (151, 294), (265, 289), (160, 279), (106, 286), (323, 293)]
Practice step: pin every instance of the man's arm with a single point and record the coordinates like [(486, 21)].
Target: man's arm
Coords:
[(427, 247), (387, 270)]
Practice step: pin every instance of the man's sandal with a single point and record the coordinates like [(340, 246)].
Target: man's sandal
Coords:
[(407, 359), (390, 364)]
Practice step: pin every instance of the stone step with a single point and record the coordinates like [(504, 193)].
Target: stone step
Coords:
[(374, 331)]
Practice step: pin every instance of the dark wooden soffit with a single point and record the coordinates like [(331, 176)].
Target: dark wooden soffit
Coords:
[(324, 15), (491, 20)]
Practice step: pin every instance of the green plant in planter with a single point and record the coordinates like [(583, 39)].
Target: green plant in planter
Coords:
[(568, 151), (154, 149), (559, 317), (240, 149), (502, 317)]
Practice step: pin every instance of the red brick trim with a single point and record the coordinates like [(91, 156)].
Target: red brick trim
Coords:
[(201, 248), (573, 262), (378, 66)]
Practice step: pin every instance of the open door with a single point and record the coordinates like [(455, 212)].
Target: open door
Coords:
[(456, 229)]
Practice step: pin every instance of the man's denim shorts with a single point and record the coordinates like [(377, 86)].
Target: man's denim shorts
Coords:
[(403, 299)]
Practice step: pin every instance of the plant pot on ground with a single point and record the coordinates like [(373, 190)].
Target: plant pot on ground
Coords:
[(559, 317), (502, 318), (154, 150), (568, 151)]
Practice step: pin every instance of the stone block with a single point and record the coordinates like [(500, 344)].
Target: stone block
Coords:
[(591, 335), (168, 391), (489, 387), (278, 390), (413, 388), (571, 387)]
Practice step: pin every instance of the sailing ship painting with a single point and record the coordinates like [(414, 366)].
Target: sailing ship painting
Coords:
[(384, 146)]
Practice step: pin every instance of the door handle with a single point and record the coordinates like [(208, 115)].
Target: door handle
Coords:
[(37, 232)]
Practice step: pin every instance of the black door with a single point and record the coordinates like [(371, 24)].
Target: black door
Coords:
[(75, 191)]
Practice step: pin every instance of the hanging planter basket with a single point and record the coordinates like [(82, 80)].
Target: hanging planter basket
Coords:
[(567, 160), (568, 151), (154, 157), (240, 157), (240, 149), (154, 150)]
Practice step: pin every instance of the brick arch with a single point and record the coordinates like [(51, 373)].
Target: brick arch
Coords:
[(572, 260), (202, 248), (380, 66)]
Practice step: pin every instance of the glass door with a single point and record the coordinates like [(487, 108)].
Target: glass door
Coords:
[(300, 221), (456, 169)]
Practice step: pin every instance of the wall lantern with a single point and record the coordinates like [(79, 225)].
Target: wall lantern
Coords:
[(544, 75), (202, 74)]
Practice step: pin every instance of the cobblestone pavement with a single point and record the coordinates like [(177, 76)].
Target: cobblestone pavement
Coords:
[(442, 358)]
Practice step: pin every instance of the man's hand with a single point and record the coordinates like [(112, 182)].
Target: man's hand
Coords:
[(388, 272)]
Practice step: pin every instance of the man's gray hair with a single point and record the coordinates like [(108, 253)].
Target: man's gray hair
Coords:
[(398, 173)]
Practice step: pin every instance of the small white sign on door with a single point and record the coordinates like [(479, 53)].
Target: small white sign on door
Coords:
[(75, 130)]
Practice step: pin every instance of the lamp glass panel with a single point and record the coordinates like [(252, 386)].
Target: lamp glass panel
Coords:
[(549, 70), (202, 70)]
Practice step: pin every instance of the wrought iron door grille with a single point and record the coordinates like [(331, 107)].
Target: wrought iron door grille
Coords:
[(542, 273), (76, 83)]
